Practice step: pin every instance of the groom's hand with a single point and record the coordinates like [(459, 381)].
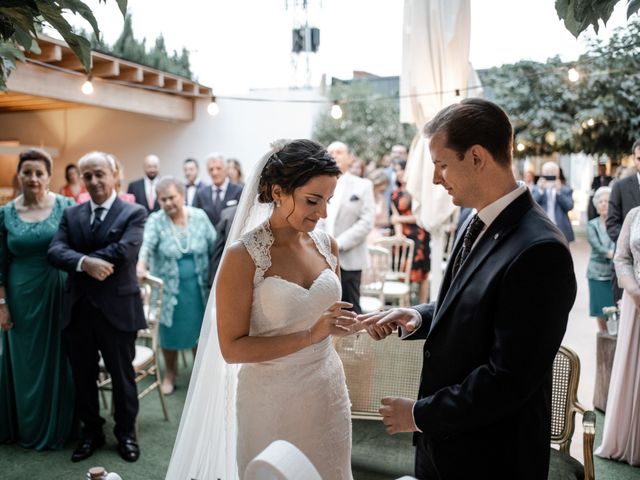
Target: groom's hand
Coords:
[(397, 414), (380, 324)]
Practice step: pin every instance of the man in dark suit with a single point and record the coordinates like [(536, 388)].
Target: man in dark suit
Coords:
[(625, 195), (98, 243), (222, 229), (484, 405), (220, 194), (191, 184), (144, 189), (600, 180)]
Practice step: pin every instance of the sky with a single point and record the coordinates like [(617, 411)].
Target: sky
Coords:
[(237, 45)]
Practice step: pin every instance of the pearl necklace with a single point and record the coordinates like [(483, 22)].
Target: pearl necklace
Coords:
[(184, 250)]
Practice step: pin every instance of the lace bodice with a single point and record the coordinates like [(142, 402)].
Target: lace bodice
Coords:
[(318, 420), (627, 257), (280, 306)]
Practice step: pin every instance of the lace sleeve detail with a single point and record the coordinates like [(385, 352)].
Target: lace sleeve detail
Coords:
[(323, 242), (258, 244), (623, 259)]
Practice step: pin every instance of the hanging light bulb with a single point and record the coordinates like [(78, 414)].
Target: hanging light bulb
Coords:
[(213, 108), (336, 110), (520, 147), (591, 122), (573, 74), (87, 87)]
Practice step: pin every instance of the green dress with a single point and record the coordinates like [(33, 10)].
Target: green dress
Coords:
[(36, 387), (180, 257)]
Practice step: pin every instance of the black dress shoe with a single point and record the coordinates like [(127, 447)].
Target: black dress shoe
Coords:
[(128, 448), (86, 447)]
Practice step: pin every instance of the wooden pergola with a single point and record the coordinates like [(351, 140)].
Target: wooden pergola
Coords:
[(53, 80)]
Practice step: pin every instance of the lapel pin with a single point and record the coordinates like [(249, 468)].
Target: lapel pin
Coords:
[(495, 237)]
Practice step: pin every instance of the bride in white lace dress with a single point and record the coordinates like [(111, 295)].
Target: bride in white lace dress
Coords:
[(278, 304)]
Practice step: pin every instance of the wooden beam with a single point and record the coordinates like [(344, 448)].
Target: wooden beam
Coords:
[(205, 91), (134, 75), (173, 83), (49, 53), (153, 79), (106, 69), (45, 82), (71, 62), (190, 88)]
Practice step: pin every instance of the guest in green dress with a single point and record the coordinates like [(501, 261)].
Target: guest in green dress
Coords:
[(36, 387), (178, 243), (599, 271)]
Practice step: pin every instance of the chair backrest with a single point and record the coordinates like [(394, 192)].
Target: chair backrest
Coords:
[(376, 369), (564, 397), (401, 251), (372, 281), (151, 291), (281, 461)]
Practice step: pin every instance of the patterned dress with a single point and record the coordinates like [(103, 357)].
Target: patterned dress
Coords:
[(36, 387), (180, 257), (421, 253)]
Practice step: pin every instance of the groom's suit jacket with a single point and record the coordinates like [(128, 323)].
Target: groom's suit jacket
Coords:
[(491, 338), (117, 240)]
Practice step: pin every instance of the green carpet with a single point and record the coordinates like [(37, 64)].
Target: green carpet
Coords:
[(376, 455)]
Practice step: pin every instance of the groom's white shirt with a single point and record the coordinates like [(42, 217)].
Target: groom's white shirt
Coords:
[(350, 216)]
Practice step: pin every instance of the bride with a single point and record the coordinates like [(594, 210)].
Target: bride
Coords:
[(276, 303)]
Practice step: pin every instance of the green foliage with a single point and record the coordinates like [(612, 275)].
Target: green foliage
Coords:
[(370, 123), (21, 20), (579, 14), (129, 48), (598, 114)]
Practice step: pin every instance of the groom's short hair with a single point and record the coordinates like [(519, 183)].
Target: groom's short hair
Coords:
[(475, 121)]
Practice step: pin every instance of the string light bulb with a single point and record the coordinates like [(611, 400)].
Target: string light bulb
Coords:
[(336, 111), (213, 108), (520, 147), (87, 86), (591, 122), (573, 74)]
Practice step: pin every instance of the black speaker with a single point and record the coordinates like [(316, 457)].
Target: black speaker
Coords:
[(299, 41)]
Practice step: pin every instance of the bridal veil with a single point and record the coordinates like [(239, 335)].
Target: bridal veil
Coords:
[(205, 446)]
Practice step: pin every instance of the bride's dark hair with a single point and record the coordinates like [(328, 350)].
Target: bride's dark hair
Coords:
[(293, 165)]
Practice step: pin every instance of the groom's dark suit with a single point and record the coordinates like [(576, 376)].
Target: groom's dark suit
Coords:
[(102, 315), (485, 394)]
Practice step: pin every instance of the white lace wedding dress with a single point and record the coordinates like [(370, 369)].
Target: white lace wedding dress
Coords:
[(301, 398)]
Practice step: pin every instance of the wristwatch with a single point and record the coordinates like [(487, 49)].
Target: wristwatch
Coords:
[(3, 301)]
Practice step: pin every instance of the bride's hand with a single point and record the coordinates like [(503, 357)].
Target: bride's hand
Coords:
[(333, 321)]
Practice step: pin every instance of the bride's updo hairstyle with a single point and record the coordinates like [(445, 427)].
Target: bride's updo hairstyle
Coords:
[(292, 164)]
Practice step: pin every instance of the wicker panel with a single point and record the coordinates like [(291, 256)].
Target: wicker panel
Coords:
[(560, 394), (376, 369)]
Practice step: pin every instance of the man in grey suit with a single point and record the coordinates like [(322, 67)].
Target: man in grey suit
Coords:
[(350, 219), (220, 194), (625, 195)]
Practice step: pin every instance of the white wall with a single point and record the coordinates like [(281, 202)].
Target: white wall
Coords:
[(243, 130)]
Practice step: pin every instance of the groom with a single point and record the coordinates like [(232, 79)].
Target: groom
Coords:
[(484, 405)]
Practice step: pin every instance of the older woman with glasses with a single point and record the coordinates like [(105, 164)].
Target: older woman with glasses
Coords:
[(177, 246)]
